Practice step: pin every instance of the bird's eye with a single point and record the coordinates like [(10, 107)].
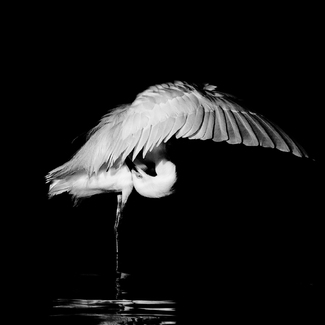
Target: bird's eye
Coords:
[(138, 175)]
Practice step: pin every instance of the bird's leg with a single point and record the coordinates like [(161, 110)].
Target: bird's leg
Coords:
[(117, 221), (118, 211)]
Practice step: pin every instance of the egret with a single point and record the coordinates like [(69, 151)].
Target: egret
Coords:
[(130, 138)]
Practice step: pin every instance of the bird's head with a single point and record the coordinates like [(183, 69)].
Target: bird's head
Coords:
[(155, 186)]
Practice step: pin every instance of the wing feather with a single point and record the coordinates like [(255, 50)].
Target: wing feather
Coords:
[(276, 137), (261, 134), (136, 121), (197, 122), (142, 141), (127, 125), (210, 126), (192, 105), (199, 133), (187, 126), (149, 141), (158, 114), (168, 125), (129, 145), (153, 137), (118, 145), (176, 107), (282, 141), (248, 135), (179, 122), (169, 108), (294, 147), (182, 105), (192, 102), (158, 132), (232, 128), (220, 128)]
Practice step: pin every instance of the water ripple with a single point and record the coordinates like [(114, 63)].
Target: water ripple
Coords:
[(123, 311)]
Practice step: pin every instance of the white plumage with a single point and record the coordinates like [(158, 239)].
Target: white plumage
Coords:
[(118, 149), (171, 109)]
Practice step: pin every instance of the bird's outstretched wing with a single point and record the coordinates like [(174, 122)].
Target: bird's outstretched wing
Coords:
[(179, 109)]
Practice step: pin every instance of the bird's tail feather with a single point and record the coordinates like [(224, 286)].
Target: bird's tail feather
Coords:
[(59, 186), (76, 185), (61, 172)]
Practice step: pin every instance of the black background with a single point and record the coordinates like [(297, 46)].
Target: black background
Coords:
[(242, 219)]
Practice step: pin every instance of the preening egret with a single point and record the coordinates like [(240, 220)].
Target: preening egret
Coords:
[(131, 137)]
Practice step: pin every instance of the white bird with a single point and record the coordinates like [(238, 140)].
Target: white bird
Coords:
[(130, 137)]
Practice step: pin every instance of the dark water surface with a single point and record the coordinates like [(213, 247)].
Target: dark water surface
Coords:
[(92, 311), (242, 245), (92, 299)]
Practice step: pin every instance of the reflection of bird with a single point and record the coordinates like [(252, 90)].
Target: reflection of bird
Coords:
[(131, 137)]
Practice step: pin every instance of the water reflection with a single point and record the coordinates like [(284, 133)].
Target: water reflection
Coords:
[(88, 299), (104, 312)]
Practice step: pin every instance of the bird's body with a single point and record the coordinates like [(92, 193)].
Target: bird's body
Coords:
[(81, 185), (122, 179), (119, 149)]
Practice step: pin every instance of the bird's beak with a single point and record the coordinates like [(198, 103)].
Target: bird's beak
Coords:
[(133, 168)]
